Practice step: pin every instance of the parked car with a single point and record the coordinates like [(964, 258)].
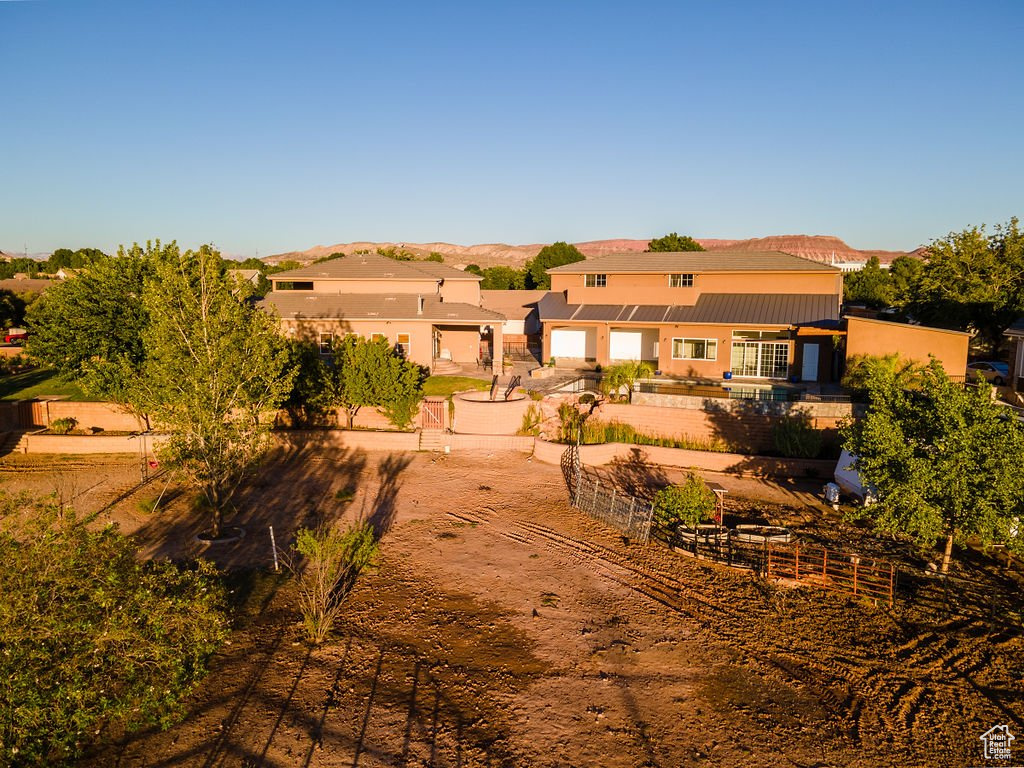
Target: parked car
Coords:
[(15, 336), (994, 371)]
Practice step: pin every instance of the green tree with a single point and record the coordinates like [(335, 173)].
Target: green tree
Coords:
[(435, 256), (862, 369), (214, 366), (904, 272), (313, 394), (673, 243), (971, 281), (90, 329), (946, 461), (554, 255), (12, 309), (503, 279), (689, 504), (870, 285), (370, 373), (474, 269), (94, 641)]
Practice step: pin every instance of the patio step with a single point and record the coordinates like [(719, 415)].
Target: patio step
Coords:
[(433, 440), (445, 368)]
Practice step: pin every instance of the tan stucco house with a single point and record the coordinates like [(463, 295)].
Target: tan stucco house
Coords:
[(431, 312), (711, 315)]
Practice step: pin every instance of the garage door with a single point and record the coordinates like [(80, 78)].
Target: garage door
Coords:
[(626, 345), (566, 342)]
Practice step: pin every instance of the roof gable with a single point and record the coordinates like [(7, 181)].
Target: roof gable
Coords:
[(695, 262), (372, 266)]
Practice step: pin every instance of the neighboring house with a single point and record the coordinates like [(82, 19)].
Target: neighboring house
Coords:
[(429, 311), (763, 315), (245, 275), (522, 323), (66, 273), (865, 336), (710, 315)]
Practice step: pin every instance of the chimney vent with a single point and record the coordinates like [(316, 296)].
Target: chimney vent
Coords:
[(419, 305)]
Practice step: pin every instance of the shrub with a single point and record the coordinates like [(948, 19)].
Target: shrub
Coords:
[(103, 643), (531, 421), (795, 437), (332, 559), (63, 426), (688, 504), (599, 432), (571, 423), (624, 376), (401, 411), (535, 395)]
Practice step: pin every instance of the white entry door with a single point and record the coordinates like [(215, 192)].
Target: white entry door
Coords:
[(809, 370)]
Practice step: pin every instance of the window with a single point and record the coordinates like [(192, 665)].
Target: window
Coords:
[(378, 337), (680, 281), (293, 286), (595, 281), (694, 349), (404, 344), (326, 343)]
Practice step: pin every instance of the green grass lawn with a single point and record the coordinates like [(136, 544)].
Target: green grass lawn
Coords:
[(444, 386), (41, 382)]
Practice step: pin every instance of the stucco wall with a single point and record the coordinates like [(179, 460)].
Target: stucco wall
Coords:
[(911, 342), (477, 417)]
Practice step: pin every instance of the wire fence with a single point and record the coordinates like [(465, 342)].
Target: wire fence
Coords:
[(629, 514)]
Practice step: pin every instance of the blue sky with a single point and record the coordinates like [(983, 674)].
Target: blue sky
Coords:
[(280, 125)]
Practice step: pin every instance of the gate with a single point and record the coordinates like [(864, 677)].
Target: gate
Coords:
[(433, 412)]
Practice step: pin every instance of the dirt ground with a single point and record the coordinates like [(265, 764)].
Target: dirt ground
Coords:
[(504, 628)]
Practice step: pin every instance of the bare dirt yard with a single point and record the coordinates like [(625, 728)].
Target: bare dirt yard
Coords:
[(504, 628)]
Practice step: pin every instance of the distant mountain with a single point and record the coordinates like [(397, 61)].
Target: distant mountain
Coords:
[(824, 248)]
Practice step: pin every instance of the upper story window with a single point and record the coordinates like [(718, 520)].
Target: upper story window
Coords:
[(680, 280), (326, 342), (595, 281), (293, 286)]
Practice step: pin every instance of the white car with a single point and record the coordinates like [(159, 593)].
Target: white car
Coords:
[(994, 371)]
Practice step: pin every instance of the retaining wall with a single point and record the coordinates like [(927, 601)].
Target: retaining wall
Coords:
[(764, 407), (733, 463), (354, 439), (81, 444), (477, 415), (745, 427)]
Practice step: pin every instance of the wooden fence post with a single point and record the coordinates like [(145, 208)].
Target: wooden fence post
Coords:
[(855, 561), (796, 563), (892, 569), (824, 567), (768, 551)]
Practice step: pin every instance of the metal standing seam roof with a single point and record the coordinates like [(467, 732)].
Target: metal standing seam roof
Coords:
[(373, 306), (694, 262), (372, 266), (712, 308)]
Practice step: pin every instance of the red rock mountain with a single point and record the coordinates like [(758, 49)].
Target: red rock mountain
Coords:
[(823, 248)]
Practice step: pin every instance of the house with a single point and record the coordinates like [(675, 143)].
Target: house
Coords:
[(761, 315), (245, 275), (1015, 335), (713, 315), (429, 311), (521, 329)]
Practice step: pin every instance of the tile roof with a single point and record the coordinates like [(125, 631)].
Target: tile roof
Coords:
[(372, 266), (694, 261), (373, 306), (719, 308), (514, 305)]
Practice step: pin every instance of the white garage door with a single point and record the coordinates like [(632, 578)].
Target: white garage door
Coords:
[(567, 342), (626, 345)]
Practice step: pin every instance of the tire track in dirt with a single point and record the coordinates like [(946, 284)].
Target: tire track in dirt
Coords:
[(870, 699)]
